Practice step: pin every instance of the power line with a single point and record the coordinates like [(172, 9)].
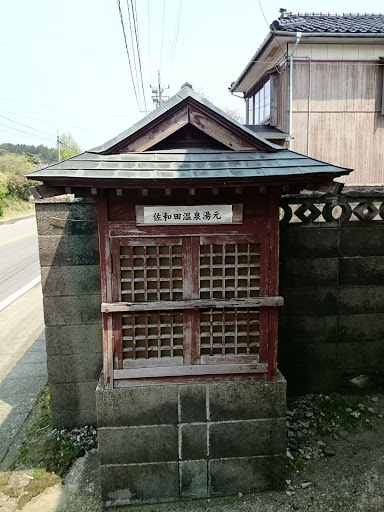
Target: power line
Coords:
[(58, 107), (149, 40), (26, 135), (136, 25), (129, 58), (23, 131), (26, 126), (278, 42), (133, 47), (174, 43), (162, 38)]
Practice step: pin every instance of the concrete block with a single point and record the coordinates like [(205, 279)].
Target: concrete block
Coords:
[(73, 396), (134, 406), (68, 250), (71, 280), (298, 330), (137, 483), (246, 400), (194, 442), (362, 271), (193, 403), (361, 299), (194, 479), (72, 368), (74, 339), (126, 445), (75, 418), (310, 301), (355, 328), (246, 474), (369, 354), (247, 438), (302, 379), (313, 242), (84, 309), (66, 218), (298, 272), (362, 240), (317, 356), (360, 380)]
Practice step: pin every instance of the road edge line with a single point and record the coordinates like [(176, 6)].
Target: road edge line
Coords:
[(19, 293)]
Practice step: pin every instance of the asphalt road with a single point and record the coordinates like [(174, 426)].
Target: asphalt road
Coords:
[(19, 259), (22, 350)]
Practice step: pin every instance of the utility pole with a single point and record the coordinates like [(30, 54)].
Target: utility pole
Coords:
[(58, 144), (157, 92)]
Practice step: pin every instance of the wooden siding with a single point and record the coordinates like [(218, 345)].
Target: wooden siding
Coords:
[(345, 126), (283, 101)]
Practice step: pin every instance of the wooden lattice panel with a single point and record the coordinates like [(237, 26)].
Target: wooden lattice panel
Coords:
[(229, 270), (231, 332), (150, 335), (151, 273)]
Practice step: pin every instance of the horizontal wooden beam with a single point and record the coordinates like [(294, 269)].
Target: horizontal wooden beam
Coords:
[(111, 307), (189, 370)]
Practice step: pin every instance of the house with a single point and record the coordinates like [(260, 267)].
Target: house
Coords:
[(316, 85)]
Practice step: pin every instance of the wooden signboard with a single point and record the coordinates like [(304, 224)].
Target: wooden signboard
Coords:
[(186, 215)]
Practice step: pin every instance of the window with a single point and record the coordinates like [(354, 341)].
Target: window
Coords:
[(259, 105)]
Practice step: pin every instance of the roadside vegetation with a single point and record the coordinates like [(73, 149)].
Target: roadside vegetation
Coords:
[(16, 160), (45, 456), (42, 449)]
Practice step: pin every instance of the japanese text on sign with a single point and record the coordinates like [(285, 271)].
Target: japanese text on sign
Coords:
[(207, 214)]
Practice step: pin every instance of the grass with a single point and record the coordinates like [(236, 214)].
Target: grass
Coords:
[(42, 449), (14, 206)]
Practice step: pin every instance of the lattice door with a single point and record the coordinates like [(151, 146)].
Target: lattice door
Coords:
[(186, 299), (230, 269)]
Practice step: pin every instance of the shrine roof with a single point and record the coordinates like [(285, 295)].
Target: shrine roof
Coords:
[(193, 163), (160, 147)]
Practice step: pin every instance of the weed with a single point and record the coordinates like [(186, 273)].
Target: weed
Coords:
[(36, 474), (42, 449)]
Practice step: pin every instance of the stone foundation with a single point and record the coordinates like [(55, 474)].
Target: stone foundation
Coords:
[(180, 441)]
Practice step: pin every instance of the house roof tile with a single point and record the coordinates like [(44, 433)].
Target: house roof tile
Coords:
[(327, 22)]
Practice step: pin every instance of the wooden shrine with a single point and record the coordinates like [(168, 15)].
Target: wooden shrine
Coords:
[(188, 217), (188, 211)]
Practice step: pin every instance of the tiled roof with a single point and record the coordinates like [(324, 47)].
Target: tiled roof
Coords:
[(332, 23), (187, 164)]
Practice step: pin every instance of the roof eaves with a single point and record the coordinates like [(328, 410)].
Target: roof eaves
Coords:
[(255, 57)]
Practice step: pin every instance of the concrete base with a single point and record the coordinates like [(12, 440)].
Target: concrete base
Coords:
[(180, 441)]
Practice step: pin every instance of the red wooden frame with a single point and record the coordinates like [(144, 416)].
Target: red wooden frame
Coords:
[(261, 227)]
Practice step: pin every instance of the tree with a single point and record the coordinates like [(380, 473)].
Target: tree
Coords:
[(68, 146), (12, 179)]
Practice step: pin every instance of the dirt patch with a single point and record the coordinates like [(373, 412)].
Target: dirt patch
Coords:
[(23, 485)]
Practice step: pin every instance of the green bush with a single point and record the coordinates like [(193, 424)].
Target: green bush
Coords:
[(12, 179), (2, 194)]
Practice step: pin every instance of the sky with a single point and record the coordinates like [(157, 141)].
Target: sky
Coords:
[(65, 68)]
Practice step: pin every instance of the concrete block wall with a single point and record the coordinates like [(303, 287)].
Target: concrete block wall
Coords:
[(182, 441), (70, 271), (331, 327)]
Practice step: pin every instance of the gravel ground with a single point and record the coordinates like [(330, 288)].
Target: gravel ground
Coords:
[(335, 463)]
